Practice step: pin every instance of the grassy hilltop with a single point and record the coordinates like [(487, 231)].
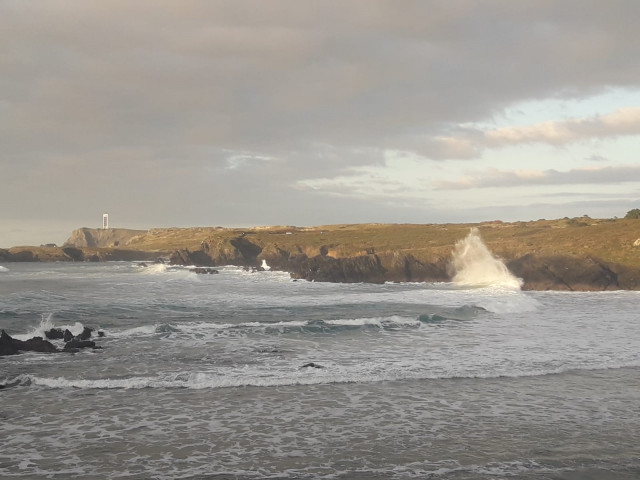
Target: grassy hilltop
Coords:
[(611, 240), (568, 254)]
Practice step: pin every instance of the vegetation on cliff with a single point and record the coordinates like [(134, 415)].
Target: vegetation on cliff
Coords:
[(570, 253)]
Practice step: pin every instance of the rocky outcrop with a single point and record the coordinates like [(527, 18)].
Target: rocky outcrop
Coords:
[(238, 251), (12, 346), (402, 267), (72, 254), (545, 254), (204, 271), (186, 257), (366, 268), (101, 238), (572, 274)]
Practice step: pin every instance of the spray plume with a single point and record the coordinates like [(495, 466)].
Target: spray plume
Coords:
[(474, 264)]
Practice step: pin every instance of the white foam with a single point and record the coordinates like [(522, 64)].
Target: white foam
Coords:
[(475, 265), (247, 375), (376, 321), (3, 269), (46, 324), (265, 266), (156, 269)]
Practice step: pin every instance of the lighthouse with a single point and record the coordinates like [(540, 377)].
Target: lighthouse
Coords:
[(105, 221)]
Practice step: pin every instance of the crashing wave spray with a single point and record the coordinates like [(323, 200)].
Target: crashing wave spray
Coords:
[(474, 264)]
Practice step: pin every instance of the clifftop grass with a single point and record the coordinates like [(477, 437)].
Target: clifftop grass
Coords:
[(611, 240)]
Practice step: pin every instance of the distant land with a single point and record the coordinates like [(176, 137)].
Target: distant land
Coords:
[(581, 254)]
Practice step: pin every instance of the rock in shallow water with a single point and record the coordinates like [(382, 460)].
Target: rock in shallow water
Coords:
[(12, 346)]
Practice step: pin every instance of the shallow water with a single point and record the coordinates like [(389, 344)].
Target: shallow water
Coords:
[(201, 376)]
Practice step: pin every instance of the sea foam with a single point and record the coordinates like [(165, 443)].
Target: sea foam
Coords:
[(475, 265), (46, 324)]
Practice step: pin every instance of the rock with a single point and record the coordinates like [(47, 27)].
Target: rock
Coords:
[(311, 365), (100, 333), (86, 333), (366, 268), (101, 238), (67, 335), (401, 267), (6, 345), (76, 344), (564, 273), (74, 253), (54, 334), (186, 257), (12, 346), (37, 344), (204, 270)]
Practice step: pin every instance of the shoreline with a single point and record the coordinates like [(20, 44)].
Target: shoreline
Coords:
[(565, 255)]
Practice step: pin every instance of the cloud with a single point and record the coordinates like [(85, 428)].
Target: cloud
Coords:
[(165, 109), (625, 121), (492, 178)]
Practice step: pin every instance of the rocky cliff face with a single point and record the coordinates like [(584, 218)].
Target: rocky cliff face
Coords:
[(101, 238), (547, 255), (559, 272), (573, 274)]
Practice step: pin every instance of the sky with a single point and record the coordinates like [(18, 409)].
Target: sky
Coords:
[(246, 113)]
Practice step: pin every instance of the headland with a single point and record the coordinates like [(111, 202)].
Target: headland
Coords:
[(581, 254)]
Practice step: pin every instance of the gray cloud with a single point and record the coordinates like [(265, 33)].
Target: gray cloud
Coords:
[(145, 105), (578, 176)]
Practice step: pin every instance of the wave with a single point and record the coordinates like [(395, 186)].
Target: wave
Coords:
[(466, 312), (46, 324), (475, 265), (3, 269), (296, 375)]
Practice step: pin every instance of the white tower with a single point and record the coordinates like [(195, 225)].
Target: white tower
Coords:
[(105, 221)]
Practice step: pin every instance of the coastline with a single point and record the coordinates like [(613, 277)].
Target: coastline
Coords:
[(567, 255)]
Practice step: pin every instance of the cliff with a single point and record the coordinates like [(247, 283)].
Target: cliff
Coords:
[(101, 238), (565, 254)]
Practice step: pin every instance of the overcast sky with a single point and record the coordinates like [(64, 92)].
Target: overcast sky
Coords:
[(243, 113)]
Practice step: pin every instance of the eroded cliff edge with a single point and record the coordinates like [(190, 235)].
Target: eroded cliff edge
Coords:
[(566, 254)]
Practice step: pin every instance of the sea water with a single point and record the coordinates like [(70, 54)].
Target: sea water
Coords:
[(209, 377)]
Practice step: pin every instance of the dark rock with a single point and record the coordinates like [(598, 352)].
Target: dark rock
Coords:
[(74, 253), (142, 264), (76, 344), (366, 268), (12, 346), (54, 334), (6, 345), (186, 257), (564, 273), (204, 270), (86, 333), (67, 335), (25, 256), (100, 333), (247, 249), (311, 365), (36, 344), (402, 267)]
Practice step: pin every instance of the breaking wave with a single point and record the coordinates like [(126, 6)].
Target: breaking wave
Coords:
[(46, 324), (475, 265), (297, 374)]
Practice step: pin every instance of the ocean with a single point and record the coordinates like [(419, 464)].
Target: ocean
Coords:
[(242, 375)]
